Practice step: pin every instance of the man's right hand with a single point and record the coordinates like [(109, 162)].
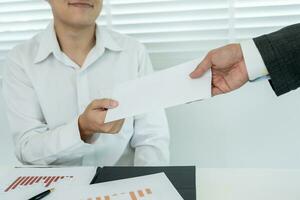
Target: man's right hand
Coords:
[(228, 67), (92, 120)]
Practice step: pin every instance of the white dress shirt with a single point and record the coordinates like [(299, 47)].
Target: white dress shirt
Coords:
[(45, 92), (255, 65)]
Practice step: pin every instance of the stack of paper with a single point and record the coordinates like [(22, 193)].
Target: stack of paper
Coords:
[(159, 90), (152, 187)]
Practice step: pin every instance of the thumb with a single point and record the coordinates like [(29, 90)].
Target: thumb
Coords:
[(104, 104), (203, 67)]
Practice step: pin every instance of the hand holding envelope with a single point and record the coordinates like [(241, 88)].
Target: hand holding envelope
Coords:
[(159, 90), (92, 120)]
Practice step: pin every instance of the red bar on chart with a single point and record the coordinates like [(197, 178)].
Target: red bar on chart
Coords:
[(50, 181), (29, 180), (47, 179), (23, 182), (56, 179), (39, 179), (33, 180), (17, 181)]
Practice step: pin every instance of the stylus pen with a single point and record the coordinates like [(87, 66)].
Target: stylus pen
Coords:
[(42, 195)]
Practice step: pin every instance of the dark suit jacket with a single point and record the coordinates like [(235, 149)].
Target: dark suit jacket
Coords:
[(281, 54)]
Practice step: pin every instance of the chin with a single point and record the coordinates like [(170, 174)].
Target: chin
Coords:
[(82, 22)]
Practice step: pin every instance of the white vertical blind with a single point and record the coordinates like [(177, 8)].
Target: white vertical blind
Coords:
[(20, 20), (172, 30)]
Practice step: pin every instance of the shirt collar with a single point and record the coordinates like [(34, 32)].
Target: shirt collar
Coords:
[(48, 42), (105, 40)]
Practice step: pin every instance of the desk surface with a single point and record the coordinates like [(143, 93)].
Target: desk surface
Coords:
[(246, 184)]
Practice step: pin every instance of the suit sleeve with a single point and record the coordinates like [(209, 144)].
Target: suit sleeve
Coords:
[(281, 54)]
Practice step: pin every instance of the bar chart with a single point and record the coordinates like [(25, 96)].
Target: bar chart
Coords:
[(137, 195), (25, 181), (149, 187)]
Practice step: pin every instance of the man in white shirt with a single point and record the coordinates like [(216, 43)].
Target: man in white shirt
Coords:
[(275, 55), (55, 84)]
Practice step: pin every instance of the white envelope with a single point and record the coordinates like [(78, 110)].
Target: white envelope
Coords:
[(162, 89)]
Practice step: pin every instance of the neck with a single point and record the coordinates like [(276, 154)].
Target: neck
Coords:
[(75, 42)]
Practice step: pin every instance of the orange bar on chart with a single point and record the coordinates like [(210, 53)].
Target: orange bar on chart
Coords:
[(132, 195), (148, 191), (98, 198), (141, 193)]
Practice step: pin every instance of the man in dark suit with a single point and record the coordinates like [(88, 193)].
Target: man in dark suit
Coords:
[(276, 55)]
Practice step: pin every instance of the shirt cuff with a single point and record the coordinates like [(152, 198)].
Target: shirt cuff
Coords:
[(254, 63), (71, 135)]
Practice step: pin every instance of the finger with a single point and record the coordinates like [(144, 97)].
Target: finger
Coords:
[(120, 121), (112, 127), (104, 104), (216, 91), (118, 126), (205, 65)]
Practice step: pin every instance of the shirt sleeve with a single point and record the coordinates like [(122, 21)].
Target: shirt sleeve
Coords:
[(35, 142), (255, 65), (151, 131)]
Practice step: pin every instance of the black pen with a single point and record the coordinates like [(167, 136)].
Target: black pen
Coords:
[(42, 195)]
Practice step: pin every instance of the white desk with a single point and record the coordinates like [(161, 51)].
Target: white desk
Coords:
[(248, 184), (4, 170), (242, 184)]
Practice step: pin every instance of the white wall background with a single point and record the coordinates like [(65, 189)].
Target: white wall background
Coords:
[(248, 128)]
